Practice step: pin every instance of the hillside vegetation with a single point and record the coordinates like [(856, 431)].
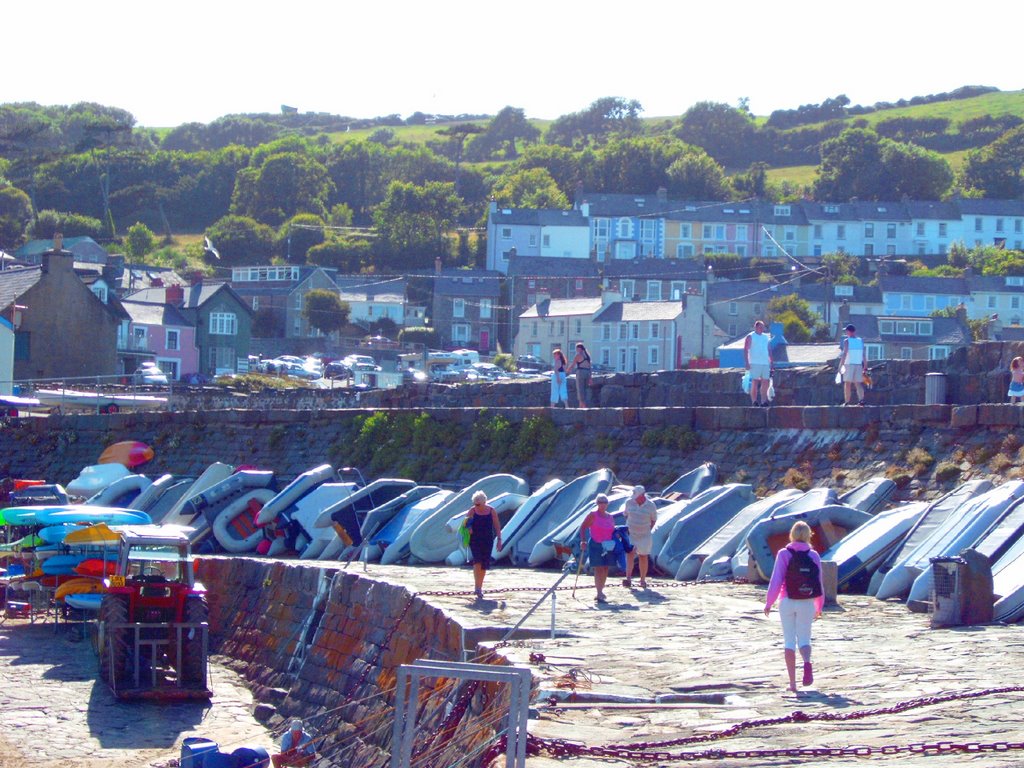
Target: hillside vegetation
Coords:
[(391, 193)]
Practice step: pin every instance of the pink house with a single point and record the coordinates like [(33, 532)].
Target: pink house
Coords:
[(160, 332)]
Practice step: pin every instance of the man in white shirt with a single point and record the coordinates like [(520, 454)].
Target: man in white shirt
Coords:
[(759, 363), (851, 365)]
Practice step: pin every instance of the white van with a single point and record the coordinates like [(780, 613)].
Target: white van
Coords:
[(465, 357)]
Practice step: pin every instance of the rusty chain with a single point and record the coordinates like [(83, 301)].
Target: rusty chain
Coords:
[(497, 590), (656, 750)]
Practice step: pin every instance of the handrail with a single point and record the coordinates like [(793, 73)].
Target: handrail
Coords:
[(567, 570)]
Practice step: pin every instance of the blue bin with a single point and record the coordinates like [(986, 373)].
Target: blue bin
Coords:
[(195, 750), (251, 757)]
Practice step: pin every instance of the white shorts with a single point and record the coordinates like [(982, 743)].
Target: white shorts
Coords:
[(797, 617), (642, 542), (760, 371), (854, 374)]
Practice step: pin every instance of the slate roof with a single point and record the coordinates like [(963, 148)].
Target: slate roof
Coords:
[(993, 284), (542, 266), (639, 311), (931, 209), (195, 295), (475, 282), (979, 207), (945, 330), (563, 308), (15, 282), (655, 269), (149, 313), (34, 248), (747, 290), (952, 286), (862, 294)]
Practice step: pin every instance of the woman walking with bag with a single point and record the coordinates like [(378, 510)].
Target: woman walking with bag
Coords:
[(796, 577)]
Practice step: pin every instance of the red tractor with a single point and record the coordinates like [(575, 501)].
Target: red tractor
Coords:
[(153, 622)]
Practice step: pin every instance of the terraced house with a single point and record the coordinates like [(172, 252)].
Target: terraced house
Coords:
[(618, 227)]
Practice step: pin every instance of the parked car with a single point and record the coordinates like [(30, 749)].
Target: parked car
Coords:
[(149, 373), (532, 363), (337, 370), (365, 360), (413, 376)]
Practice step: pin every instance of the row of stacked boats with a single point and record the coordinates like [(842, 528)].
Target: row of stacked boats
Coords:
[(704, 530)]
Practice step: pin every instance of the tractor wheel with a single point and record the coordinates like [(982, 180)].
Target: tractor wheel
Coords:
[(193, 660), (116, 665)]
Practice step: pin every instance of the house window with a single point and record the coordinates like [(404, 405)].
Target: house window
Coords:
[(719, 232), (942, 229), (255, 303), (100, 291), (676, 290), (635, 330), (929, 303), (579, 285), (757, 309), (782, 210), (890, 250), (654, 290), (628, 290), (546, 241), (731, 330), (869, 249), (458, 308), (920, 229), (622, 360), (655, 330), (869, 230), (905, 301), (606, 331), (977, 224), (890, 231), (942, 249), (885, 326), (906, 328), (298, 302), (817, 250), (684, 251), (938, 353), (460, 333), (817, 231), (734, 308), (706, 232), (485, 309), (606, 357), (561, 327), (844, 290), (906, 353), (686, 231), (1015, 302), (533, 240), (789, 234), (223, 324), (991, 302), (999, 225), (647, 230), (534, 330), (579, 326), (22, 345), (873, 351), (924, 328), (623, 331), (172, 341), (741, 231), (506, 233), (840, 231), (652, 356), (624, 227), (741, 250)]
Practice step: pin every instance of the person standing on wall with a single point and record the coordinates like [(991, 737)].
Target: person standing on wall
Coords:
[(582, 365), (796, 578), (851, 366), (641, 515), (559, 373), (484, 529), (759, 362)]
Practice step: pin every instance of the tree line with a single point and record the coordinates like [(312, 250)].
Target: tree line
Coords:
[(380, 204)]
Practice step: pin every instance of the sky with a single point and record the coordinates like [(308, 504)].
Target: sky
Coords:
[(174, 62)]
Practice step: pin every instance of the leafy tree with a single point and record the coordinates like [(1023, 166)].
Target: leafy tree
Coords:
[(501, 134), (15, 215), (348, 256), (340, 216), (533, 188), (842, 268), (384, 326), (695, 175), (241, 240), (998, 169), (636, 164), (726, 133), (139, 241), (851, 166), (908, 170), (799, 322), (413, 222), (49, 222), (383, 135), (297, 235), (325, 311), (286, 184), (563, 164), (606, 117)]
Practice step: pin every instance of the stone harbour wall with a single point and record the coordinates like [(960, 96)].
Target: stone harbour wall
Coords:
[(925, 448), (324, 645)]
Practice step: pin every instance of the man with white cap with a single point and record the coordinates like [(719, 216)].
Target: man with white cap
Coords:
[(641, 515), (297, 748)]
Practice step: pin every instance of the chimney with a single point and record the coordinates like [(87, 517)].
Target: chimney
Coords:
[(844, 315), (57, 258), (437, 265), (610, 297), (662, 195), (578, 197), (585, 210), (174, 294), (961, 313)]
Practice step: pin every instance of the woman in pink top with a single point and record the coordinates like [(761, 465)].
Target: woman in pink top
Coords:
[(601, 527), (797, 578)]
